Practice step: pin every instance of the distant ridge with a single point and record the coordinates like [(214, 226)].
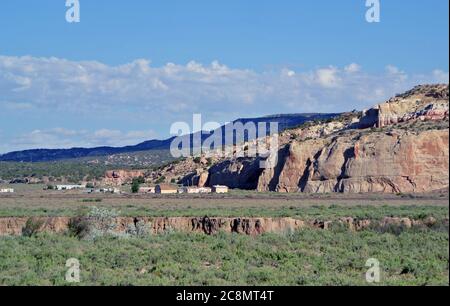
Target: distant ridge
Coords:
[(285, 121)]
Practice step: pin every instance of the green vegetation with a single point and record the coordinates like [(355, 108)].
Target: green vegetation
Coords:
[(172, 162), (160, 180), (97, 200), (321, 212), (309, 257), (417, 256), (136, 184), (100, 222), (73, 171), (32, 227), (135, 187)]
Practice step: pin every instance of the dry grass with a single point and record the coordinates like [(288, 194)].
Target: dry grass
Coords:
[(32, 200)]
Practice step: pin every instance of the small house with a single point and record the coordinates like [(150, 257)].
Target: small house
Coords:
[(204, 190), (112, 190), (69, 187), (189, 190), (194, 190), (220, 189), (166, 189), (6, 190)]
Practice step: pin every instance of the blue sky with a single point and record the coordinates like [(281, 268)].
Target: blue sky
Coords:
[(131, 68)]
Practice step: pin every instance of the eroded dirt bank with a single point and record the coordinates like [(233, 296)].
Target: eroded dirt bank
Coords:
[(13, 226)]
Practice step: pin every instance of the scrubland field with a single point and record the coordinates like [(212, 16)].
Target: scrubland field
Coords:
[(308, 257), (338, 256)]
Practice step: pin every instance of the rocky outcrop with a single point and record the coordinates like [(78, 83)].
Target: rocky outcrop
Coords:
[(120, 177), (424, 103), (12, 226), (198, 178), (398, 146), (211, 226), (240, 173), (247, 226), (15, 226), (393, 162), (158, 225)]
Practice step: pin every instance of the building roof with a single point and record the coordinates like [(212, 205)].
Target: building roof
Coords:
[(167, 187)]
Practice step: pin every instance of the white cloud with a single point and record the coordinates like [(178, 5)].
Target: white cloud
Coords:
[(352, 68), (65, 138), (59, 84), (174, 92), (441, 76), (119, 138), (328, 77), (288, 72), (16, 106), (393, 69)]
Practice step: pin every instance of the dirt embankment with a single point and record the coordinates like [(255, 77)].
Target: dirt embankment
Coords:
[(249, 226)]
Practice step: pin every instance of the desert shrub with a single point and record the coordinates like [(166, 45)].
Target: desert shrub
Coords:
[(79, 227), (440, 226), (308, 257), (338, 227), (160, 180), (32, 227), (135, 186), (139, 229), (140, 180), (394, 229), (98, 222), (104, 219), (97, 200)]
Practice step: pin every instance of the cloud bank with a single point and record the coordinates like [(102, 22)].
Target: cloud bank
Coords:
[(174, 92)]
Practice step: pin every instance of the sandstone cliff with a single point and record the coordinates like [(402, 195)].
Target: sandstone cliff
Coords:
[(424, 103), (120, 177), (390, 162), (401, 145)]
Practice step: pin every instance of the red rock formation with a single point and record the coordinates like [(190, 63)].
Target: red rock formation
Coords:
[(209, 226), (409, 152), (120, 177), (375, 162), (424, 103)]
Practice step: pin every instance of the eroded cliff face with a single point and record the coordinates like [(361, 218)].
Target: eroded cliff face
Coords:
[(387, 162), (401, 145), (246, 226), (426, 102), (423, 103), (120, 177), (240, 173)]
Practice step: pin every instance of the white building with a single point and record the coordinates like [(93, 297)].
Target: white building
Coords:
[(107, 190), (6, 190), (69, 187), (220, 189), (205, 190), (194, 190)]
